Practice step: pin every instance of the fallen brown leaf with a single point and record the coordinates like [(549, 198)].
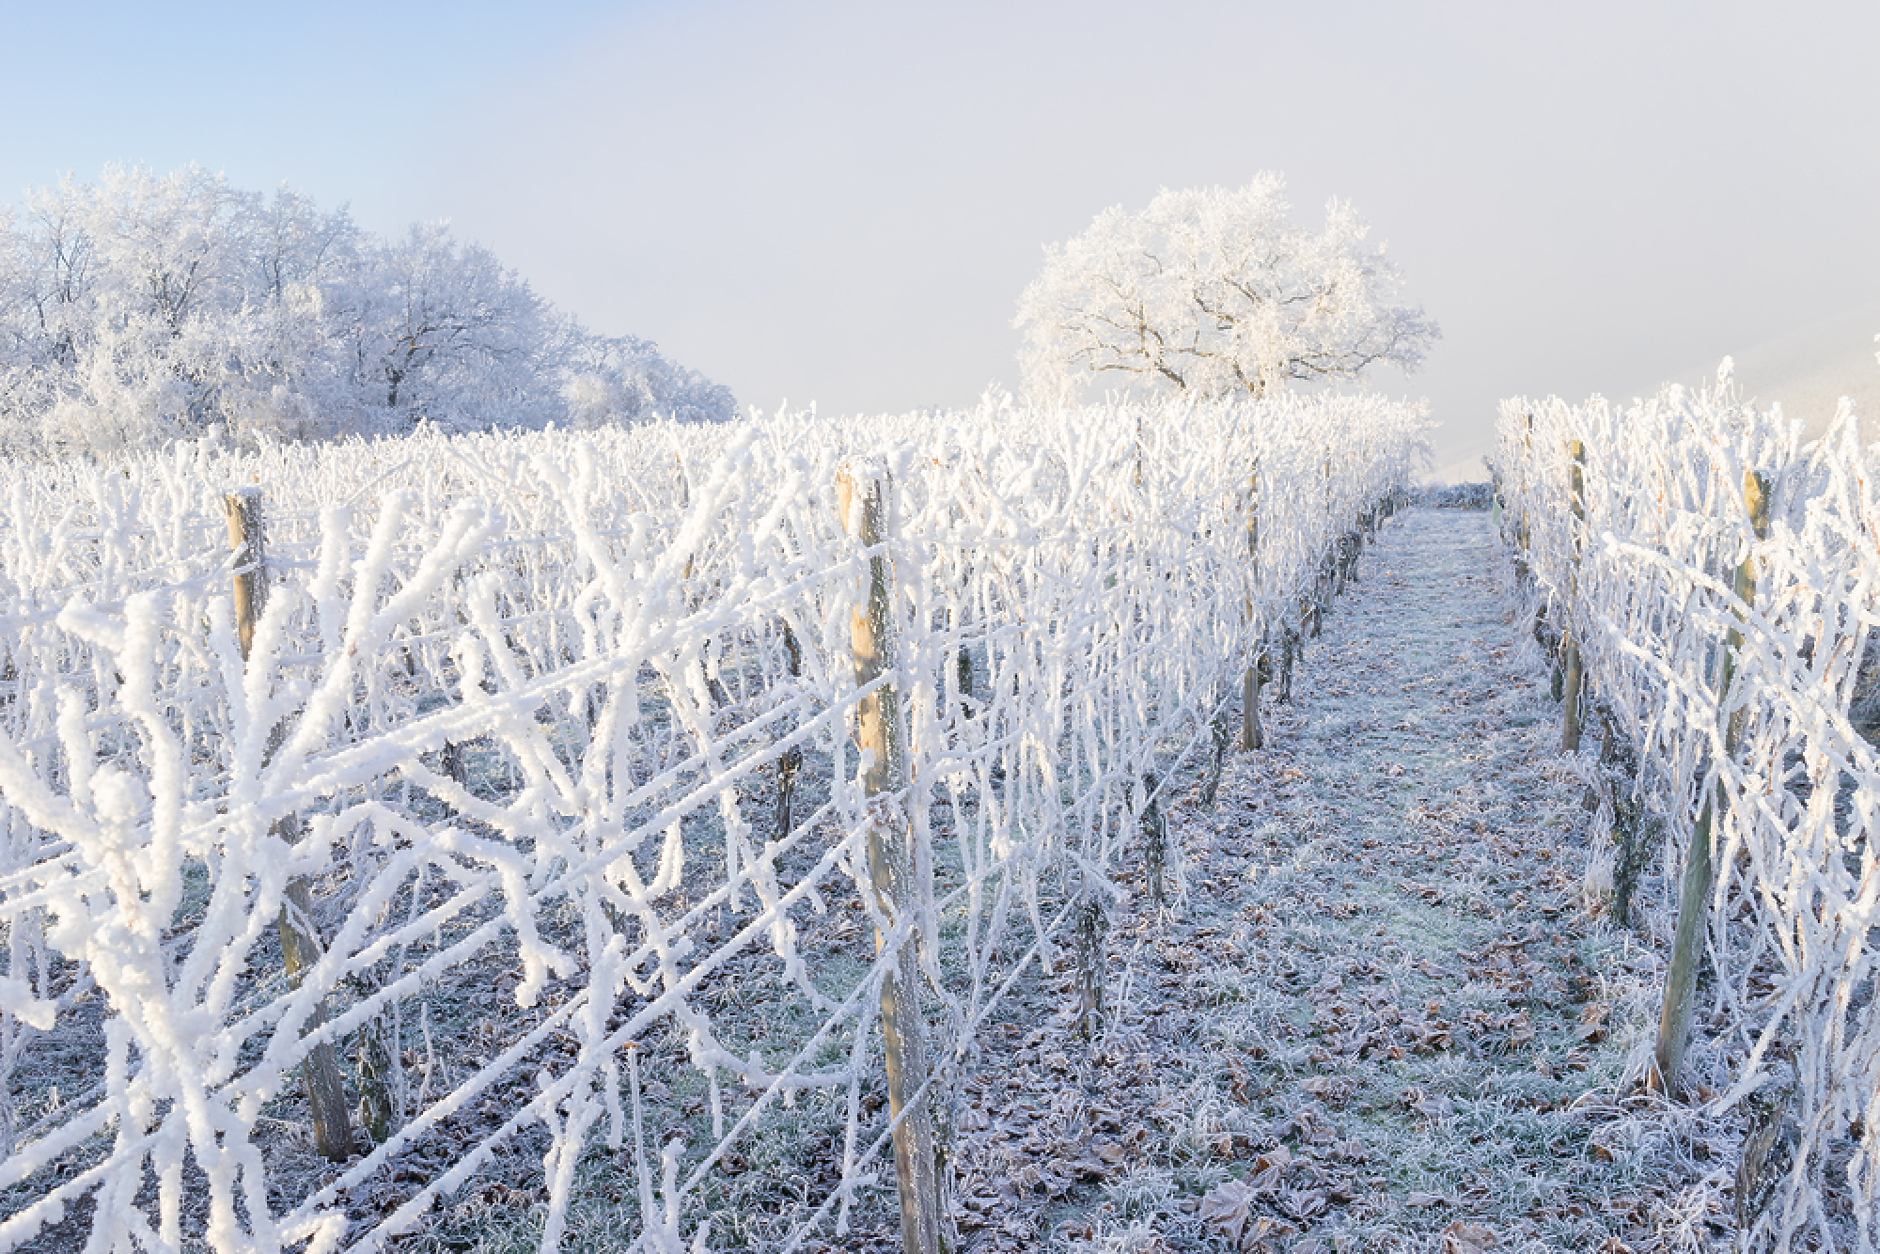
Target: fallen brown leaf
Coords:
[(1227, 1208), (1461, 1238)]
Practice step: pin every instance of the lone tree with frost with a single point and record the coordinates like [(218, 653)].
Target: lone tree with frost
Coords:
[(1216, 292)]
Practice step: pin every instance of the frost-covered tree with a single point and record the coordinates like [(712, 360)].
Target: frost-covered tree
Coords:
[(1214, 292), (143, 308), (439, 330), (614, 379)]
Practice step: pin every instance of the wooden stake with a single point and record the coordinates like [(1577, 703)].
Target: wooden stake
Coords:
[(1252, 736), (1575, 673), (247, 539), (1521, 532), (300, 945), (861, 501), (1674, 1021)]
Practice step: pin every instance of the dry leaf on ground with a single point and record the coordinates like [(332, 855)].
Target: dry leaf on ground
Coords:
[(1462, 1238)]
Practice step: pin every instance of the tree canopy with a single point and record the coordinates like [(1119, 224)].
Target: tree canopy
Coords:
[(1215, 292), (143, 308)]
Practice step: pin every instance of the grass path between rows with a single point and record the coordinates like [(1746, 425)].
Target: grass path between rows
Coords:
[(1379, 1017)]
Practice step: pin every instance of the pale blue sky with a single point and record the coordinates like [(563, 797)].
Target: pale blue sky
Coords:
[(840, 201)]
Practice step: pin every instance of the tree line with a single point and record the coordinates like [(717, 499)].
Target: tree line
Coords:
[(144, 308)]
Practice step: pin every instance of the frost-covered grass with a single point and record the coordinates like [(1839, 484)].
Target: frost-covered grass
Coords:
[(1381, 1010)]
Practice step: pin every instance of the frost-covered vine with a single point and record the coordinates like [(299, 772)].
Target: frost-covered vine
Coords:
[(552, 728), (1789, 1021)]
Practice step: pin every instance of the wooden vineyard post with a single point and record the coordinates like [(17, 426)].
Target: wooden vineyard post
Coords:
[(1251, 734), (1576, 676), (1521, 531), (1674, 1021), (300, 947), (247, 540), (861, 501)]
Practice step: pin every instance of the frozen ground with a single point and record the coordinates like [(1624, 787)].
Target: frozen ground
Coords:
[(1381, 1017)]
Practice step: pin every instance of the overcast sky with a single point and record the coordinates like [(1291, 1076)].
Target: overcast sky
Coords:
[(840, 202)]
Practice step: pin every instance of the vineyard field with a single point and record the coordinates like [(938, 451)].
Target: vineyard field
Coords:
[(525, 815)]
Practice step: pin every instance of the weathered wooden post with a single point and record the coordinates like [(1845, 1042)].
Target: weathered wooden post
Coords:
[(1521, 532), (861, 501), (300, 946), (247, 540), (1575, 674), (1674, 1022), (1252, 736)]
